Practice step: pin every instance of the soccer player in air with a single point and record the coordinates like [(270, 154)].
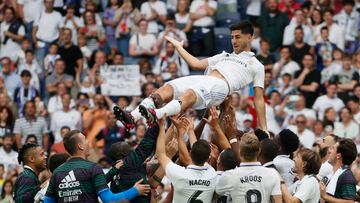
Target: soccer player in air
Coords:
[(79, 180), (27, 185), (225, 73), (250, 182)]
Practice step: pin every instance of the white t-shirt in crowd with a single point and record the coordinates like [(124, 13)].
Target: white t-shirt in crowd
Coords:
[(249, 181), (191, 183), (307, 137), (351, 131), (55, 104), (308, 113), (253, 8), (182, 19), (291, 68), (31, 9), (145, 10), (239, 70), (323, 102), (271, 122), (285, 166), (48, 26), (69, 24), (307, 190), (11, 47), (197, 6), (140, 41), (336, 35), (71, 119), (9, 159)]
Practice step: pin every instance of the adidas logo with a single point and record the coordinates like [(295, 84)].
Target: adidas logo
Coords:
[(69, 181)]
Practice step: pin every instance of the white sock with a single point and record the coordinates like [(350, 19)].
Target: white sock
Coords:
[(148, 103), (171, 108)]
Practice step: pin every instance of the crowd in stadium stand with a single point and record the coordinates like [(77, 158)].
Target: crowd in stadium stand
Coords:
[(52, 53)]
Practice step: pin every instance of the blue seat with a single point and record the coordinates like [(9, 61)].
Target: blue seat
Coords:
[(222, 40), (227, 19)]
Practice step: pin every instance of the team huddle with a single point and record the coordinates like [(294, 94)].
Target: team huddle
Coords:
[(233, 167)]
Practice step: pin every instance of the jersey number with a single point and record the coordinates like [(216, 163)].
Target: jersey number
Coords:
[(253, 196), (194, 196)]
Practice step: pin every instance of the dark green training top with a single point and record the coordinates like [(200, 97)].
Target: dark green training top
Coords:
[(26, 186)]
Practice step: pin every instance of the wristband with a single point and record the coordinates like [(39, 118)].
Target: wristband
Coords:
[(232, 141)]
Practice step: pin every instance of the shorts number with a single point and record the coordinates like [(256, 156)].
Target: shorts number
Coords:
[(253, 196), (194, 196)]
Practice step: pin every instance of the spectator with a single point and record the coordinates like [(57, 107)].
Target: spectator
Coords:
[(170, 56), (285, 64), (253, 10), (300, 108), (12, 80), (5, 101), (95, 34), (285, 86), (70, 54), (20, 53), (50, 58), (72, 22), (31, 124), (55, 103), (66, 117), (272, 24), (308, 80), (143, 44), (336, 32), (290, 7), (58, 147), (306, 136), (297, 22), (202, 13), (92, 7), (346, 79), (7, 192), (264, 56), (354, 105), (182, 17), (126, 21), (342, 185), (7, 154), (324, 49), (59, 76), (46, 30), (348, 18), (12, 33), (288, 142), (171, 31), (111, 134), (27, 184), (33, 67), (334, 68), (299, 48), (29, 11), (153, 11), (6, 122), (108, 18), (347, 127), (329, 100), (26, 92)]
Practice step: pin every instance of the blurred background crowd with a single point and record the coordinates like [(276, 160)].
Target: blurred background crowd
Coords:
[(52, 53)]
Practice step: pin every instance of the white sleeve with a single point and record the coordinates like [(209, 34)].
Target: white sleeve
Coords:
[(174, 172), (223, 183), (259, 77), (21, 31), (315, 106), (277, 186), (162, 9), (133, 40), (306, 190), (214, 59)]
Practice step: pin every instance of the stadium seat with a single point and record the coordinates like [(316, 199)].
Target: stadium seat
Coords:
[(222, 40), (227, 19)]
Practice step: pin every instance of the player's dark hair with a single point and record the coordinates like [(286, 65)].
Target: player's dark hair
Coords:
[(228, 159), (245, 27), (289, 141), (56, 160), (268, 149), (348, 151), (24, 151), (312, 159), (200, 152), (71, 141)]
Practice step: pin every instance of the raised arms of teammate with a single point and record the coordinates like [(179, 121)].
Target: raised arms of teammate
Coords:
[(190, 59)]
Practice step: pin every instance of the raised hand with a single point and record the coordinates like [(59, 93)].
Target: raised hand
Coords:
[(213, 119), (175, 42), (143, 189)]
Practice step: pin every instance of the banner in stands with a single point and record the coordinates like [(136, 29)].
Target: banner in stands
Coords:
[(121, 80)]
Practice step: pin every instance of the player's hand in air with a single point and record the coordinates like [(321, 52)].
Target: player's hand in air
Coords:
[(143, 189), (175, 42)]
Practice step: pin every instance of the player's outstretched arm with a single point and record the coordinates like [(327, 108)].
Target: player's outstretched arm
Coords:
[(182, 124), (260, 107), (160, 144), (190, 59)]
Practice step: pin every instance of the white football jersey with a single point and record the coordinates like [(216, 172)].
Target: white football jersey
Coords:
[(249, 183), (285, 166), (239, 70), (193, 184)]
